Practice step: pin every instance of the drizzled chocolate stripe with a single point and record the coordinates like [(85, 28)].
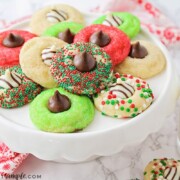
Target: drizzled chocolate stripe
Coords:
[(59, 12), (168, 172), (121, 92), (9, 84), (54, 17), (131, 87), (47, 55), (115, 20), (126, 89), (10, 80), (112, 20), (171, 173), (57, 15), (12, 76), (109, 22)]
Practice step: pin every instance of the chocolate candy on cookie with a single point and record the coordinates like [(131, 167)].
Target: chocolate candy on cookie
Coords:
[(16, 89), (53, 14), (82, 68), (11, 42), (64, 31), (124, 21), (35, 59), (126, 96), (56, 110), (114, 42), (145, 60), (162, 169)]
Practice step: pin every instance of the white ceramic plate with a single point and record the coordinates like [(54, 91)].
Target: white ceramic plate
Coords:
[(105, 136)]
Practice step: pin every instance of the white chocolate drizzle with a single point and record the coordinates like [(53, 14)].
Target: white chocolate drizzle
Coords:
[(122, 90), (56, 16), (112, 20), (172, 173), (47, 54), (10, 80)]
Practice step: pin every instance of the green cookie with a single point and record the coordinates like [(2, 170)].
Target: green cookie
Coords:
[(54, 30), (125, 21), (77, 117)]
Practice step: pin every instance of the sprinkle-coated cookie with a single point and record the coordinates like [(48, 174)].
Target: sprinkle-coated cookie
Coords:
[(82, 68), (16, 89), (35, 59), (50, 15), (11, 42), (124, 21), (162, 169), (114, 42), (145, 60), (126, 96), (64, 31), (56, 110)]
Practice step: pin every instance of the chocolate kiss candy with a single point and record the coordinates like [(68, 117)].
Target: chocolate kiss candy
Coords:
[(100, 38), (138, 51), (13, 40), (66, 36), (58, 103), (84, 62)]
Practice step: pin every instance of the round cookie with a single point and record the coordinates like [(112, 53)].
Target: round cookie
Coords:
[(16, 89), (145, 60), (76, 114), (126, 96), (64, 31), (82, 68), (114, 42), (53, 14), (11, 42), (35, 58), (124, 21), (162, 169)]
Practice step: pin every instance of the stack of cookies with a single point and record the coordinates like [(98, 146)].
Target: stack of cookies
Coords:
[(78, 68)]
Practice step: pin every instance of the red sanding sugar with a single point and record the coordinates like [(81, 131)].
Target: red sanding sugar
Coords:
[(10, 56), (119, 46)]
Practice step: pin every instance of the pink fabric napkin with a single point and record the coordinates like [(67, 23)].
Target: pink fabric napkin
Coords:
[(9, 160), (158, 24), (151, 18)]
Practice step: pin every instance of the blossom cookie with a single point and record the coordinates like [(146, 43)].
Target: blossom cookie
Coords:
[(50, 15), (124, 21), (35, 59), (16, 89), (113, 41), (162, 169), (82, 68), (11, 42), (65, 31), (126, 96), (145, 60), (56, 110)]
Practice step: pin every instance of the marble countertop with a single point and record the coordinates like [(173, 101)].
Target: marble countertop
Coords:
[(129, 163)]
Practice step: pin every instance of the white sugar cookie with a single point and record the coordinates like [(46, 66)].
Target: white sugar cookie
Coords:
[(162, 169), (126, 97), (53, 14), (142, 64), (35, 58)]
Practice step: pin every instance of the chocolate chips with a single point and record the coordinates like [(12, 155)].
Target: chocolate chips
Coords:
[(100, 38), (13, 40), (58, 103), (138, 51), (84, 62), (66, 36)]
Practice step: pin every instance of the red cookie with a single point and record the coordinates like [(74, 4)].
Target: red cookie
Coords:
[(11, 42), (115, 42)]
